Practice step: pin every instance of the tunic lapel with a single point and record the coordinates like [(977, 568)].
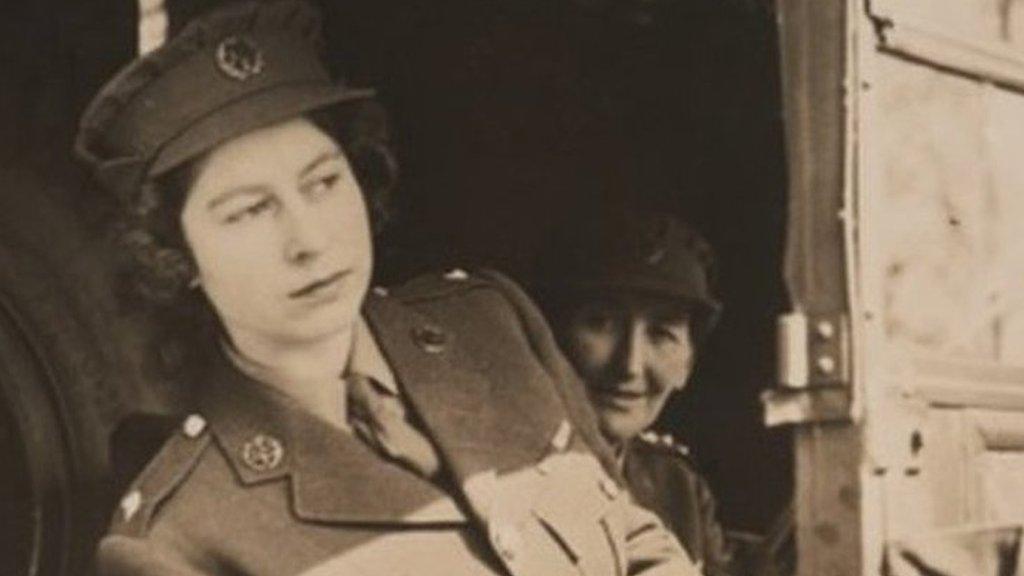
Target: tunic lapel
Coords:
[(479, 428), (331, 475)]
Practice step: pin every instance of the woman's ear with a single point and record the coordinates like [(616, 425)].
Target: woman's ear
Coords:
[(178, 273), (157, 273)]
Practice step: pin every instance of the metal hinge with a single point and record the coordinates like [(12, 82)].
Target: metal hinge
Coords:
[(813, 371), (812, 350)]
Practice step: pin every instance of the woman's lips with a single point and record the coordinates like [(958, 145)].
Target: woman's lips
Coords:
[(613, 397), (318, 286)]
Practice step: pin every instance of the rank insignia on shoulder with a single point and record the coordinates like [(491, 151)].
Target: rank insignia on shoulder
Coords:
[(456, 275), (130, 504), (665, 440), (563, 437), (438, 285)]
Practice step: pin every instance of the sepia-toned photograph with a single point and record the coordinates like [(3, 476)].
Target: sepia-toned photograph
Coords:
[(511, 288)]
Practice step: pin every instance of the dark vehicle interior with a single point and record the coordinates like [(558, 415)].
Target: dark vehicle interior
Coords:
[(508, 117)]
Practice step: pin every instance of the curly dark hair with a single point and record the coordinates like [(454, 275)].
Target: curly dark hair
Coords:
[(156, 266)]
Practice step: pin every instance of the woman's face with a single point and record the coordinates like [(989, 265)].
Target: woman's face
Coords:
[(279, 231), (633, 351)]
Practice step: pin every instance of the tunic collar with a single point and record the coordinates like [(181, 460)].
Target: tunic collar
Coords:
[(331, 476), (481, 420), (367, 359)]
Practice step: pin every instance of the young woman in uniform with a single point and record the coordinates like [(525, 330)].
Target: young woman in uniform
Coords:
[(431, 429)]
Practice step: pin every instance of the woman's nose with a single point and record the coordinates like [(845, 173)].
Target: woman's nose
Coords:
[(305, 237), (632, 352)]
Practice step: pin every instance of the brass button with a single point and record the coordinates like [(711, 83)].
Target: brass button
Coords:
[(430, 338), (193, 426), (262, 453)]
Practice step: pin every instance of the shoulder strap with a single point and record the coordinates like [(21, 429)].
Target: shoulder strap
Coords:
[(165, 472), (569, 386)]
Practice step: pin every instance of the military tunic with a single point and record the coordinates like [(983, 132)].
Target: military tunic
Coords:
[(663, 479), (256, 485)]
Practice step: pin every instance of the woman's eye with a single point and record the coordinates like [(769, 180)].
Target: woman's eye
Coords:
[(661, 334), (249, 211), (599, 323), (666, 334), (671, 333), (323, 185)]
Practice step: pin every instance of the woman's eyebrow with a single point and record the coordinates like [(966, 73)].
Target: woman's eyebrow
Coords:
[(323, 157), (234, 193), (673, 316)]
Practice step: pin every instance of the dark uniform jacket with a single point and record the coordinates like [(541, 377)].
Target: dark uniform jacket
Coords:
[(663, 479), (255, 485)]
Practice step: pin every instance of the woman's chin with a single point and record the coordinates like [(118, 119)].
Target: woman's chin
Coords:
[(619, 428), (315, 325), (323, 327)]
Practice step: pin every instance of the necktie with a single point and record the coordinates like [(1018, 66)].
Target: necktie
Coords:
[(379, 418)]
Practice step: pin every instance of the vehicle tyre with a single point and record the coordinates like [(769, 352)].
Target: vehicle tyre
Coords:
[(56, 409)]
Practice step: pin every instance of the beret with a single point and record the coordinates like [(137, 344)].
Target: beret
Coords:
[(632, 249), (236, 68)]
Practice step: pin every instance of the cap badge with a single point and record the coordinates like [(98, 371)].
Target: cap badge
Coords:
[(655, 256), (653, 242), (262, 453), (239, 58)]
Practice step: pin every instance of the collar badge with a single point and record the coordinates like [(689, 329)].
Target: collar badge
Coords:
[(262, 453)]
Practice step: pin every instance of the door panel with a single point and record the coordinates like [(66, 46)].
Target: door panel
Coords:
[(996, 466), (930, 211), (934, 203), (938, 258), (993, 22)]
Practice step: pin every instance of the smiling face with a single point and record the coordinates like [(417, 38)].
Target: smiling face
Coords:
[(633, 351), (278, 229)]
